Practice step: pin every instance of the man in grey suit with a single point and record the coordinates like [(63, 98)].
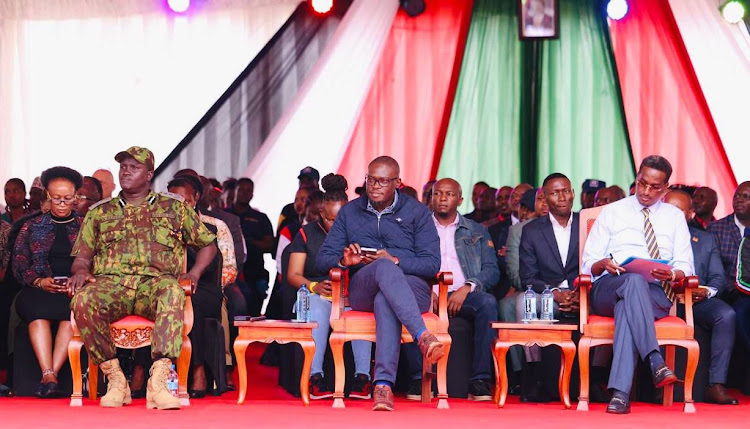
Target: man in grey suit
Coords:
[(710, 313)]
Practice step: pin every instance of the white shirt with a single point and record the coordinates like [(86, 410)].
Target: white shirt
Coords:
[(740, 226), (513, 219), (618, 230), (448, 256), (562, 236)]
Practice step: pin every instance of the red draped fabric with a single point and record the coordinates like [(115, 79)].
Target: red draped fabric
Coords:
[(666, 111), (411, 94)]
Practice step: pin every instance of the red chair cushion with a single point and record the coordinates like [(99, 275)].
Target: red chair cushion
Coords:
[(132, 322), (669, 321), (366, 315)]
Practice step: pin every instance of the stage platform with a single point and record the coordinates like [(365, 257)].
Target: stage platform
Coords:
[(269, 406)]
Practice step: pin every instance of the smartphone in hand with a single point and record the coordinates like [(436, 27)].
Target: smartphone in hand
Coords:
[(368, 251)]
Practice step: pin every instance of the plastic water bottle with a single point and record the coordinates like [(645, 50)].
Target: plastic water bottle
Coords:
[(302, 307), (172, 381), (529, 304), (548, 304)]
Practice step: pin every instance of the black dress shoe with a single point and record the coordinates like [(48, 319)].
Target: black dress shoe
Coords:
[(663, 376), (53, 391), (41, 390), (716, 394), (197, 394), (618, 406)]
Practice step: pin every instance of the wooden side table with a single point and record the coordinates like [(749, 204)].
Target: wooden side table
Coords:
[(281, 331), (542, 335)]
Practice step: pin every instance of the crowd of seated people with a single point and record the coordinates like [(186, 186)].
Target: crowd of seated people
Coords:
[(528, 237)]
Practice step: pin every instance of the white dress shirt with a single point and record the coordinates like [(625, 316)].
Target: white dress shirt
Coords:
[(513, 219), (448, 256), (562, 236), (618, 231), (740, 226)]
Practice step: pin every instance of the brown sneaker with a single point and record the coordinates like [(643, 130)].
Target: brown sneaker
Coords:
[(383, 397), (432, 349)]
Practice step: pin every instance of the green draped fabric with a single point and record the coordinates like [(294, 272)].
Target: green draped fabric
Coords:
[(523, 110), (582, 131), (483, 133)]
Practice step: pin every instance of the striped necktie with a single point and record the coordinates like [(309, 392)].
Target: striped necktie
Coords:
[(653, 249)]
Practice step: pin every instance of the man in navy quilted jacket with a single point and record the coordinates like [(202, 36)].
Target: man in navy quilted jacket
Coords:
[(394, 280)]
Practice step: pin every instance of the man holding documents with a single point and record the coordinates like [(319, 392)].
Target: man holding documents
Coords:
[(639, 226)]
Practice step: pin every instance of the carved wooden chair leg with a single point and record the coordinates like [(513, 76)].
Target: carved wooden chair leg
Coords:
[(74, 354), (693, 351), (183, 368), (442, 373), (337, 350), (584, 350), (668, 398), (93, 380)]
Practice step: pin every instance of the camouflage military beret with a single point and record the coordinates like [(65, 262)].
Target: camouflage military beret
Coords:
[(140, 154)]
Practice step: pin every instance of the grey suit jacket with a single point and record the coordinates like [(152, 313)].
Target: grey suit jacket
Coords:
[(512, 247)]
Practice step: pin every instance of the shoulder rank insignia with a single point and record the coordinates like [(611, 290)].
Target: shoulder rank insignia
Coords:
[(173, 196), (98, 203)]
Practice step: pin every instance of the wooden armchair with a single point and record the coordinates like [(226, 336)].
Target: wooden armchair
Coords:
[(671, 331), (132, 332), (360, 325)]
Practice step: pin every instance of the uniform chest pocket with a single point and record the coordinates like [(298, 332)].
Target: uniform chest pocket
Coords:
[(112, 237), (165, 238)]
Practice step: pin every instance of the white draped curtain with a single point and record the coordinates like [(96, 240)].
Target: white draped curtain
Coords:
[(83, 79), (316, 129), (720, 55)]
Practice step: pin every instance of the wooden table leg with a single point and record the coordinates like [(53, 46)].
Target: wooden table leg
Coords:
[(496, 396), (240, 346), (308, 347), (501, 350), (566, 367)]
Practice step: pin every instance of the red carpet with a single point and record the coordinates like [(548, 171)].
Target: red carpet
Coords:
[(269, 406)]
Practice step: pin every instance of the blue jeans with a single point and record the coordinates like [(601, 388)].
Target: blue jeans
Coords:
[(320, 311), (481, 308), (396, 298)]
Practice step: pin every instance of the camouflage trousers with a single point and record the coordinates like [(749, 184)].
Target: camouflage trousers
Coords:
[(111, 298)]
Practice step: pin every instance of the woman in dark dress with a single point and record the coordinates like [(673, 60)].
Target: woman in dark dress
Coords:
[(303, 251), (41, 262), (208, 296)]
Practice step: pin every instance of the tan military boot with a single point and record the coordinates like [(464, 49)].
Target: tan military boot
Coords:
[(118, 391), (157, 393)]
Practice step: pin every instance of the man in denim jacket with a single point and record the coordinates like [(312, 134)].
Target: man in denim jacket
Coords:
[(466, 250)]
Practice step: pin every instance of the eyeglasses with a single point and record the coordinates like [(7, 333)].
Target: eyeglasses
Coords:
[(67, 200), (656, 188), (382, 181)]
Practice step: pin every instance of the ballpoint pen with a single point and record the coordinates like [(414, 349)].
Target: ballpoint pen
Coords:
[(613, 260)]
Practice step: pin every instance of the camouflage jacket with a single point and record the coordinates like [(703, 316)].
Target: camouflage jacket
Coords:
[(147, 239)]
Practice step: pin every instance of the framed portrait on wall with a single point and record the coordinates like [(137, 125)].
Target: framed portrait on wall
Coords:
[(538, 19)]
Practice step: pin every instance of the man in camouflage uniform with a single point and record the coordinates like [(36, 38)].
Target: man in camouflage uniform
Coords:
[(129, 256)]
